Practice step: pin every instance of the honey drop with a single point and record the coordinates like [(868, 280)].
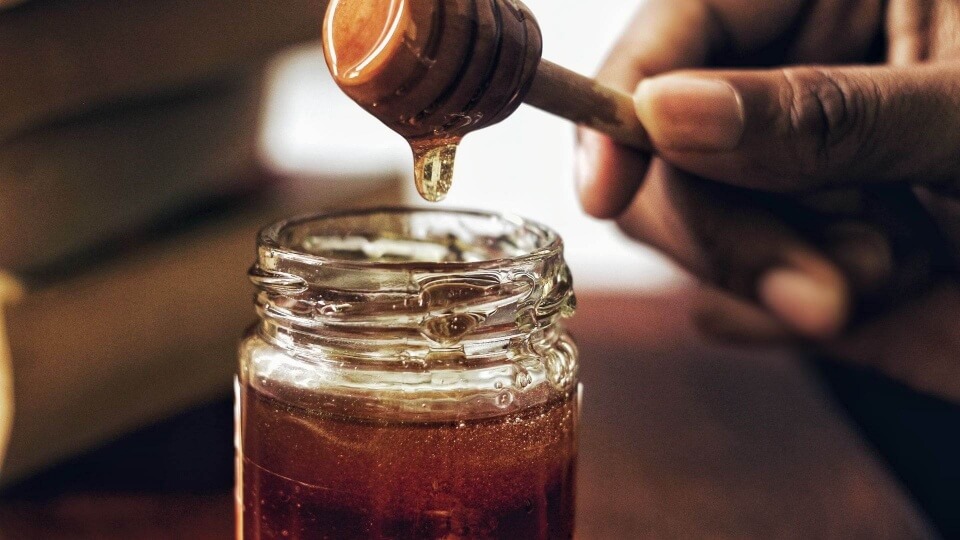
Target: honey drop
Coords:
[(433, 169)]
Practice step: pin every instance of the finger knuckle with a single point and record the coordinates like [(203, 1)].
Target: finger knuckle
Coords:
[(823, 113)]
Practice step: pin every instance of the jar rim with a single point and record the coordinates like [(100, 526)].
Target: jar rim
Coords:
[(546, 242), (372, 282)]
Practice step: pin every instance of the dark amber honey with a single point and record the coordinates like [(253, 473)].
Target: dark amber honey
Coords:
[(307, 474)]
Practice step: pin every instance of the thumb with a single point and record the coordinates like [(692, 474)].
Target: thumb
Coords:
[(803, 128)]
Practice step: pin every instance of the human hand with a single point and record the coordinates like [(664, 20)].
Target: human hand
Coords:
[(823, 201)]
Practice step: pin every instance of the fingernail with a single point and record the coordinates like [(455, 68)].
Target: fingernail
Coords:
[(685, 113), (815, 306)]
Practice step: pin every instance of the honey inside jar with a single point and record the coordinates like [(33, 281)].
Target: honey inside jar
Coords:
[(319, 475)]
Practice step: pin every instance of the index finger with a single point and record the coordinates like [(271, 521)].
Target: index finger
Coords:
[(664, 35)]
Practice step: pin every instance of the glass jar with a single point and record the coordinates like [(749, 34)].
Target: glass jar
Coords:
[(409, 377)]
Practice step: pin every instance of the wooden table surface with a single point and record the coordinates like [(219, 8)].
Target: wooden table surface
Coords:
[(679, 440)]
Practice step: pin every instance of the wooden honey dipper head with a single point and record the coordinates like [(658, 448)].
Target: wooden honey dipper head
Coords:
[(433, 69)]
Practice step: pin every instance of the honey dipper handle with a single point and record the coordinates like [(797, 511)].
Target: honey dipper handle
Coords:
[(582, 100)]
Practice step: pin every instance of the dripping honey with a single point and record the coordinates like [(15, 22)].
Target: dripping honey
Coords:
[(433, 165), (432, 70)]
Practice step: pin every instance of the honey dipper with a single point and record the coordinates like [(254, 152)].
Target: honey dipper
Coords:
[(436, 70)]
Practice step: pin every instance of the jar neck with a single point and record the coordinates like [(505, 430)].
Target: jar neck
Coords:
[(434, 319), (433, 291)]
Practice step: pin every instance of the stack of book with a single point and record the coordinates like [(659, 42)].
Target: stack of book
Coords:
[(131, 191)]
